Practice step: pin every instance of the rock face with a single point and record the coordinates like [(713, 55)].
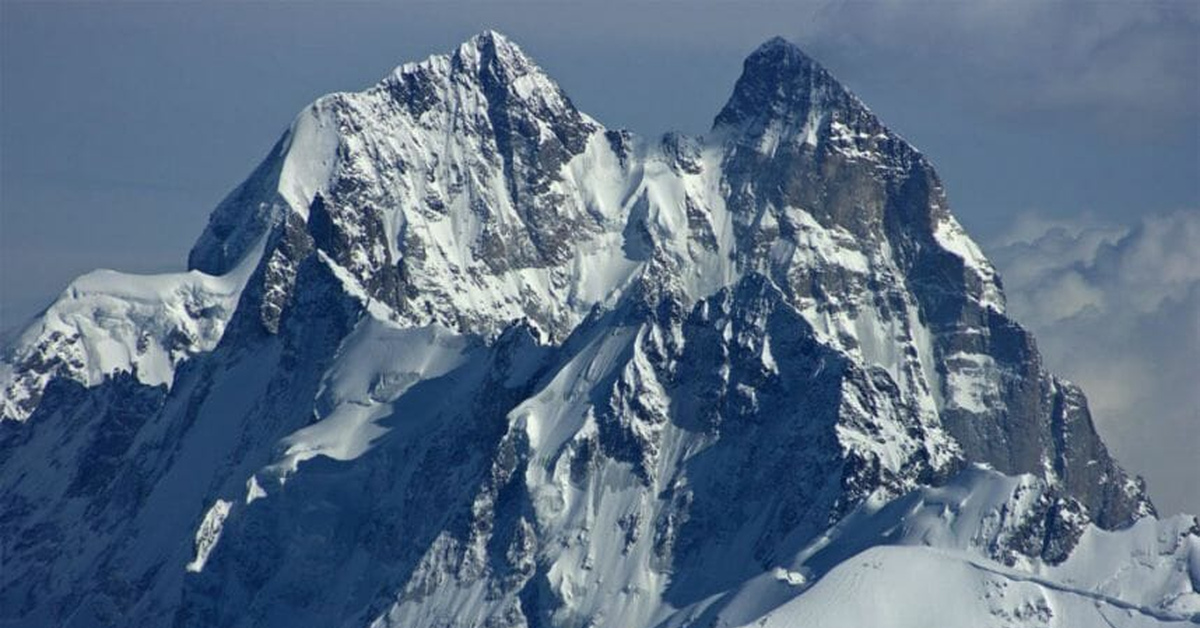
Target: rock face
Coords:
[(457, 355)]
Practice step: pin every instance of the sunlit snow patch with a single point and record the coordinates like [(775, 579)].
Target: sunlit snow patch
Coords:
[(208, 534), (954, 238)]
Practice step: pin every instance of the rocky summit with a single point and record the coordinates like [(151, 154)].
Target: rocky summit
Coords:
[(457, 354)]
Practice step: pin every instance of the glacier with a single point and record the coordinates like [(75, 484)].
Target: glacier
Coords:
[(457, 354)]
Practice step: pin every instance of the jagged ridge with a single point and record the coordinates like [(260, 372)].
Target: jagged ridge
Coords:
[(537, 370)]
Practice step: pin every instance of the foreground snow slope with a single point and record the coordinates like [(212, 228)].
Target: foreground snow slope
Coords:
[(455, 354), (931, 556)]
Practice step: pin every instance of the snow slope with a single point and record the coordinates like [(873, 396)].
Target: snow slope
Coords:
[(108, 322), (938, 553)]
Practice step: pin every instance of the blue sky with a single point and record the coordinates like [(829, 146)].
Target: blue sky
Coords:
[(122, 126)]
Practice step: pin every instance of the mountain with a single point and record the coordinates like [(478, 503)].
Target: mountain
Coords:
[(456, 354)]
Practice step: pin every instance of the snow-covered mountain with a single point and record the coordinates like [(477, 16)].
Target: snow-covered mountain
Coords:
[(456, 354)]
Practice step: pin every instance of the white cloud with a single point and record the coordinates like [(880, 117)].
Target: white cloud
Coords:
[(1117, 310)]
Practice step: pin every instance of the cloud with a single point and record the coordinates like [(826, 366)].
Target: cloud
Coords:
[(1117, 310), (1127, 67)]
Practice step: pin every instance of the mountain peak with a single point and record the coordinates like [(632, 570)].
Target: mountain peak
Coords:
[(490, 37), (789, 315), (493, 45), (779, 48), (493, 52), (780, 82), (488, 57)]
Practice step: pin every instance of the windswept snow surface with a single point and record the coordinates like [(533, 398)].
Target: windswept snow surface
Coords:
[(378, 363), (925, 559)]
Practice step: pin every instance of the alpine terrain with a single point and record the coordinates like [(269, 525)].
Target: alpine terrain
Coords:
[(457, 354)]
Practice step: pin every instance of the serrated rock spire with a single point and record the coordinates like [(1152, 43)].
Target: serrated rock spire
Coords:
[(783, 90)]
